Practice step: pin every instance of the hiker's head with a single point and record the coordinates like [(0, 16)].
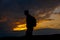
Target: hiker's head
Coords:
[(26, 12)]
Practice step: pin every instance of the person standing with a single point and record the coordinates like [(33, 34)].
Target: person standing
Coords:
[(30, 23)]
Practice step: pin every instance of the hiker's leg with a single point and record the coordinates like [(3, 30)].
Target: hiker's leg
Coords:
[(29, 31)]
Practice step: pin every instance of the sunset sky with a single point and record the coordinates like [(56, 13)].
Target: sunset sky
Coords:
[(46, 12)]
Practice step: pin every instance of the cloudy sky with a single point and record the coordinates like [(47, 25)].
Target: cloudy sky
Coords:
[(12, 16)]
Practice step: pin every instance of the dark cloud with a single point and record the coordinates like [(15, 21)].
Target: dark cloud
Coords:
[(18, 6), (26, 4)]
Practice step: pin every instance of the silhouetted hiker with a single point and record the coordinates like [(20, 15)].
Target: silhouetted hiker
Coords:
[(30, 23)]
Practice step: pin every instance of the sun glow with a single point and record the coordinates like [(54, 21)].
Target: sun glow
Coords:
[(45, 23), (23, 26), (20, 27)]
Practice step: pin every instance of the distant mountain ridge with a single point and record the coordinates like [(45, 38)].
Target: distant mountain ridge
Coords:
[(46, 31)]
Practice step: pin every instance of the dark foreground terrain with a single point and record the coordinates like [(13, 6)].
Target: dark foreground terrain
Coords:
[(36, 37)]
